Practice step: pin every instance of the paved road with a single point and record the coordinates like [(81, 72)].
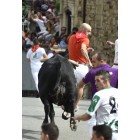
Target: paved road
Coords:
[(33, 115)]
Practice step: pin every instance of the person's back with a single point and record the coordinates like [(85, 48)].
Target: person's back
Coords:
[(107, 113), (36, 55), (35, 58), (75, 42)]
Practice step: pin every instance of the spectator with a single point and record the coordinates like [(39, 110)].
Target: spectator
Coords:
[(63, 43), (53, 43), (101, 132), (99, 61), (62, 33), (56, 26), (40, 22), (50, 23), (49, 132), (74, 31), (115, 65), (29, 40), (41, 5), (104, 103), (36, 55)]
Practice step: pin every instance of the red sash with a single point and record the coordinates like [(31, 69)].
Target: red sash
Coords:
[(34, 48)]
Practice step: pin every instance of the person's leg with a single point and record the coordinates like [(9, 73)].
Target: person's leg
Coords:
[(80, 73), (91, 123), (114, 136), (35, 77)]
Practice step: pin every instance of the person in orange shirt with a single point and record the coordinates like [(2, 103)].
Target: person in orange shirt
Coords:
[(78, 47)]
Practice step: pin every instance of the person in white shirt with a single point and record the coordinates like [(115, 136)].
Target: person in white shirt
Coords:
[(104, 104), (36, 55), (115, 65), (40, 20)]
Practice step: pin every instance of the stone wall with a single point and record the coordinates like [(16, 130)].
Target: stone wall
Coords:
[(102, 15)]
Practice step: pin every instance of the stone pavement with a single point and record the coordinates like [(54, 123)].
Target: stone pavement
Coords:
[(33, 115)]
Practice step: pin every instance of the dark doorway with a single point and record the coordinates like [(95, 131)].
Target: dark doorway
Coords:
[(68, 15)]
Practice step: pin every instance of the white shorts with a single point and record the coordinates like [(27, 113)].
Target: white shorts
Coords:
[(114, 136), (80, 72)]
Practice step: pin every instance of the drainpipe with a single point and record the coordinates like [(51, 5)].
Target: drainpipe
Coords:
[(84, 10)]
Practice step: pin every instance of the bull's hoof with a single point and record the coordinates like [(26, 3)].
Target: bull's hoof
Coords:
[(65, 115), (73, 125)]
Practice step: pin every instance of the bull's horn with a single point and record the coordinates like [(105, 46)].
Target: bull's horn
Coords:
[(73, 62)]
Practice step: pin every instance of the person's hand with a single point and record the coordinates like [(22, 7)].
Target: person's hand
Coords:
[(91, 49), (110, 43), (90, 65), (76, 118)]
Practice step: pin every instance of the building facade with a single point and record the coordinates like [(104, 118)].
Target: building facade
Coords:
[(102, 15)]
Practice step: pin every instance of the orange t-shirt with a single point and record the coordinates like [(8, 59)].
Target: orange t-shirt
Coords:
[(74, 47)]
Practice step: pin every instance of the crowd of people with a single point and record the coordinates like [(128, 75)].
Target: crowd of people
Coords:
[(44, 24), (40, 44)]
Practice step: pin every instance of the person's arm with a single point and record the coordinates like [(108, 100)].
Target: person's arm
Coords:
[(31, 17), (80, 91), (85, 53), (90, 49), (83, 117), (95, 104), (45, 57), (110, 43)]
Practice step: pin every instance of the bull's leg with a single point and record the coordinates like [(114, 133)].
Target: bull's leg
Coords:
[(46, 109), (73, 125), (52, 113), (71, 104)]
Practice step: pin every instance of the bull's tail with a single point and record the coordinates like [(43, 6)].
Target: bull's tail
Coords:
[(58, 77)]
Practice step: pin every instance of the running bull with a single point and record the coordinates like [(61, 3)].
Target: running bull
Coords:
[(57, 85)]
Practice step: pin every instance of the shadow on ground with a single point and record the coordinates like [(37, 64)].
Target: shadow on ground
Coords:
[(26, 132)]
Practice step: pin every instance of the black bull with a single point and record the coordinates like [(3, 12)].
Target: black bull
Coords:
[(57, 84)]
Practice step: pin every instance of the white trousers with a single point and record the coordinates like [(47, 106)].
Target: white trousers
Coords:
[(114, 136), (91, 123), (35, 77), (80, 72)]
